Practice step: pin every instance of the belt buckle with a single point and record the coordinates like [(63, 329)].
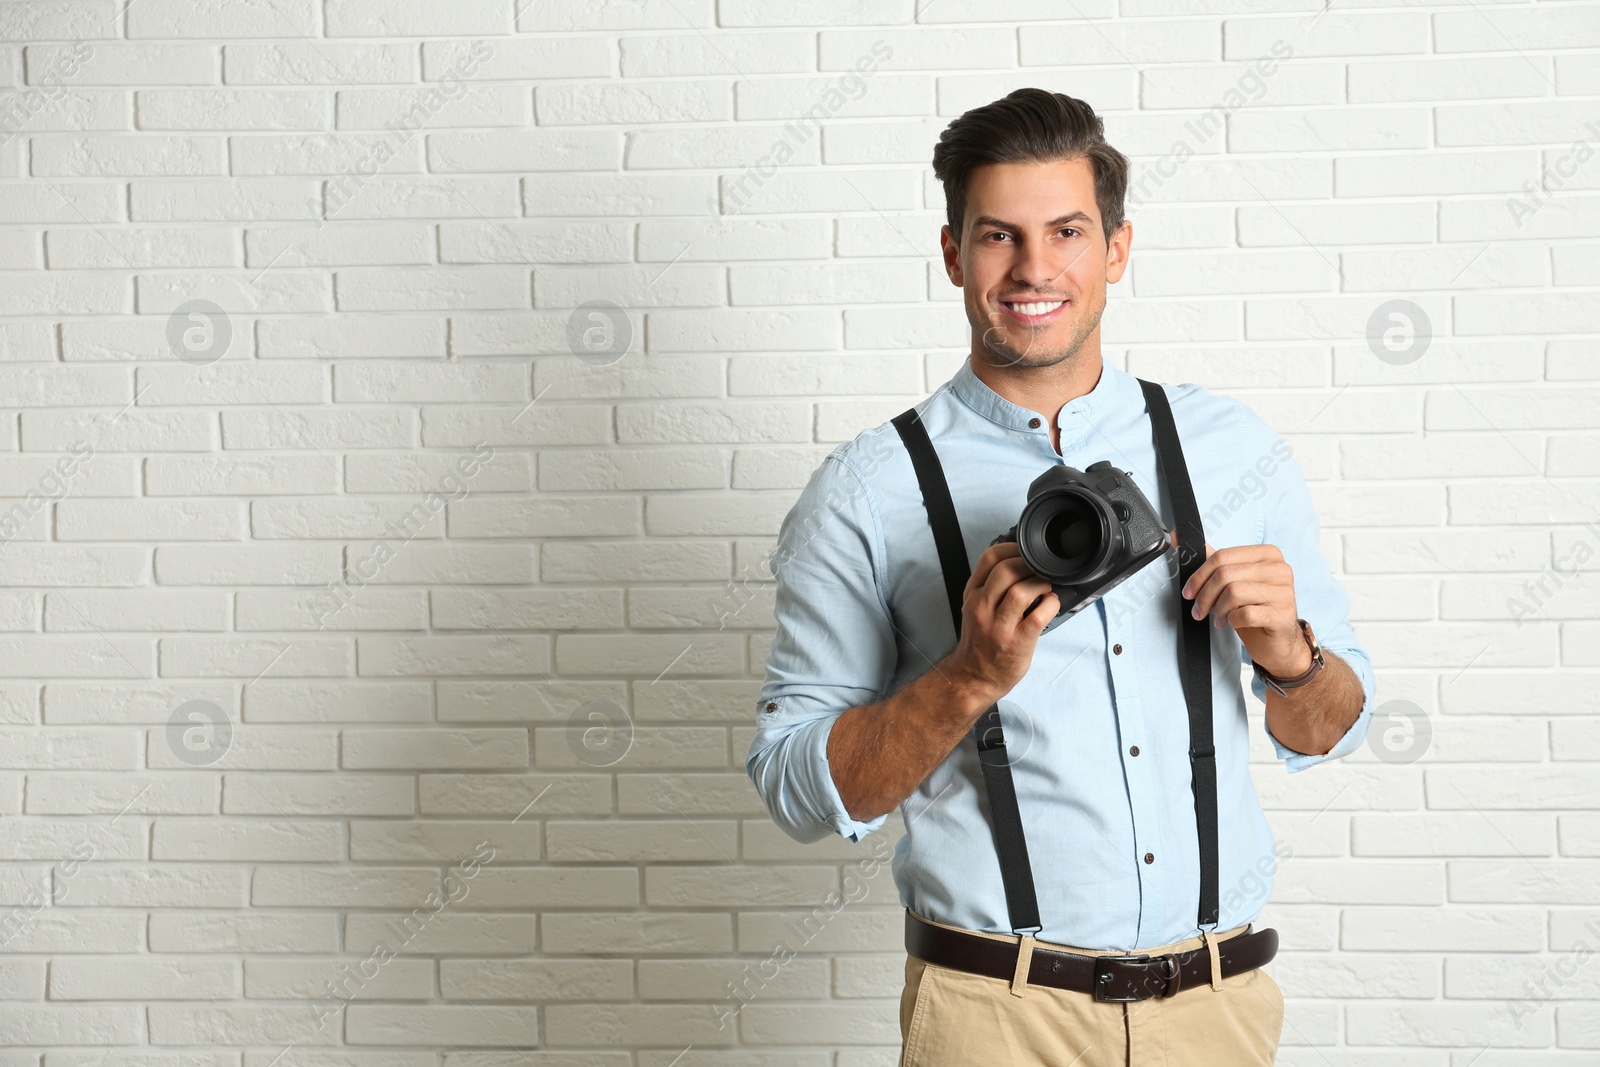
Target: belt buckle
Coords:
[(1104, 978)]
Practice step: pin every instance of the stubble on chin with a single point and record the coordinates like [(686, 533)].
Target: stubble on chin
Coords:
[(998, 343)]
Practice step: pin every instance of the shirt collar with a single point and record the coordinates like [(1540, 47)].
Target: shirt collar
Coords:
[(996, 408)]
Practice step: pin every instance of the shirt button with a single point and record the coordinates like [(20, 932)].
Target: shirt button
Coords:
[(1134, 751), (1117, 649), (772, 705), (1149, 857), (1033, 424)]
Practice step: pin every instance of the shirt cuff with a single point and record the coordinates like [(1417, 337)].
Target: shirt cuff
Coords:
[(817, 781)]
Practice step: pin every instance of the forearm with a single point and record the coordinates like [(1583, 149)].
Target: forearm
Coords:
[(880, 753), (1312, 717)]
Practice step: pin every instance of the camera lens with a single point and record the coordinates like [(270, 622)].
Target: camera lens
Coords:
[(1072, 534), (1068, 535)]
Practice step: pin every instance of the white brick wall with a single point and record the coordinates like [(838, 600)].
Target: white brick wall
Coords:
[(482, 622)]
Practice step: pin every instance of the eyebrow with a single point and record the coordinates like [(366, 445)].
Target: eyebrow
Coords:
[(990, 220)]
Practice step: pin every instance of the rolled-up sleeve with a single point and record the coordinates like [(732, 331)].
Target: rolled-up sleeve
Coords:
[(1289, 521), (833, 650)]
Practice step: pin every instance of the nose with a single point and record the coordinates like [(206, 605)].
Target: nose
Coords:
[(1040, 267)]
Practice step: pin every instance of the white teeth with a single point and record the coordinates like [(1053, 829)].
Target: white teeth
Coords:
[(1037, 309)]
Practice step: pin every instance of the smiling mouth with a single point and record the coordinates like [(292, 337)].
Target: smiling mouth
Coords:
[(1033, 311)]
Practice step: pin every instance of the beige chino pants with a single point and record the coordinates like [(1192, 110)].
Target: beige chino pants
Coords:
[(950, 1018)]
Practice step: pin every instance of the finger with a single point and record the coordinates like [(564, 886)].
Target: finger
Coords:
[(1226, 602), (1201, 575), (1214, 558), (1006, 573), (1047, 610), (1218, 584), (1272, 613), (1226, 580), (1008, 612), (989, 558), (1234, 585), (1252, 616)]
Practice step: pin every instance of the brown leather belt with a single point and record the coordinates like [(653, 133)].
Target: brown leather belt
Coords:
[(1111, 978)]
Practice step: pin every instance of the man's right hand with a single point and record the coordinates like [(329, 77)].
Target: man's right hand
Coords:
[(879, 753), (997, 639)]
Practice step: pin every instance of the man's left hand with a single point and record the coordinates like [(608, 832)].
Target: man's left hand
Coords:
[(1251, 588)]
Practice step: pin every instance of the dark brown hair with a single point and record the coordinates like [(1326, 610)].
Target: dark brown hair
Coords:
[(1029, 126)]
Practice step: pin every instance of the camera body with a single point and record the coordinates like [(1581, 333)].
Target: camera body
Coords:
[(1085, 532)]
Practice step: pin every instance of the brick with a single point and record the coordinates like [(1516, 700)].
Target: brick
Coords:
[(1360, 33), (114, 156), (597, 932), (341, 156), (536, 980), (174, 978), (434, 749), (317, 63), (1440, 930), (488, 1026), (373, 18), (232, 931), (459, 103), (289, 795), (310, 979), (229, 109)]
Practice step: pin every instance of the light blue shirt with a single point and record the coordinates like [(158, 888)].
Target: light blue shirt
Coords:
[(861, 611)]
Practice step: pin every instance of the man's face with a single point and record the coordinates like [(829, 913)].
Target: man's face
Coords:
[(1033, 262)]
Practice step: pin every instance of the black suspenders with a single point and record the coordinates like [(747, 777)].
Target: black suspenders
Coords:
[(1194, 640)]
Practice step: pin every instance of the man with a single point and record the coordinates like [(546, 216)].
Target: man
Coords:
[(870, 694)]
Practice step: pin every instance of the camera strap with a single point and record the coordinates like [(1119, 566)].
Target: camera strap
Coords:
[(1016, 871)]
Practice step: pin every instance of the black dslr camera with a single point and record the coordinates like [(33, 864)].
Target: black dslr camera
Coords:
[(1085, 532)]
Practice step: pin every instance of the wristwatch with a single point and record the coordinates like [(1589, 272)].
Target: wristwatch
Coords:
[(1278, 685)]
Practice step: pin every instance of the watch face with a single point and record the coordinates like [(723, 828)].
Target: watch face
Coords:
[(1310, 635)]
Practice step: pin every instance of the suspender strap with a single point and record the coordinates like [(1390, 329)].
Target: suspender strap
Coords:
[(941, 509), (987, 733), (1195, 639)]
